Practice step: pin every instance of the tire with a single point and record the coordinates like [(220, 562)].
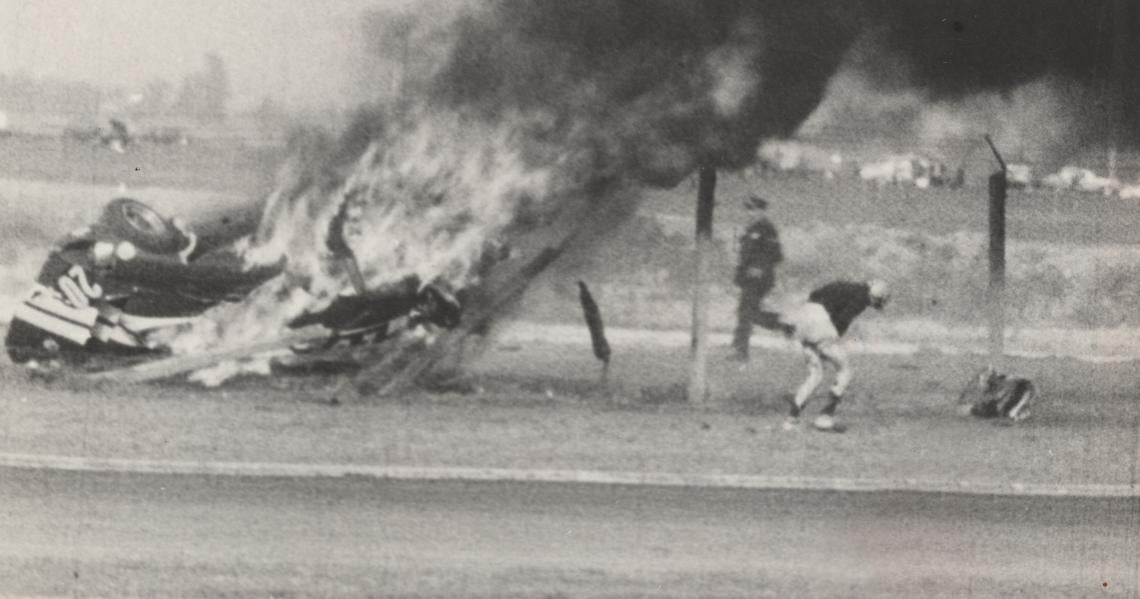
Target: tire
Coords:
[(26, 342), (141, 225), (440, 307)]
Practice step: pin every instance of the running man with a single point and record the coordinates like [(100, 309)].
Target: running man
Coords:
[(818, 326)]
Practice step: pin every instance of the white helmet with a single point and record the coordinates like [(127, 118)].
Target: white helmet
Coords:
[(880, 293)]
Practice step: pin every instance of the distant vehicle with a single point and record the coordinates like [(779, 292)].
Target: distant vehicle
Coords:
[(1130, 192), (1081, 179), (1097, 184), (797, 157), (114, 288), (1019, 176), (83, 132), (1065, 178), (931, 173), (882, 173), (167, 136), (905, 169), (116, 134)]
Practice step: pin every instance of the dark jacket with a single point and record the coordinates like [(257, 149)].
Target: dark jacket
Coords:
[(759, 250)]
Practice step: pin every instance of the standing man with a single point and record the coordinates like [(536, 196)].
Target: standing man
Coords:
[(817, 326), (760, 252)]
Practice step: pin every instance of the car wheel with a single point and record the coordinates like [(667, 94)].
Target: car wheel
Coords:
[(440, 307), (141, 225)]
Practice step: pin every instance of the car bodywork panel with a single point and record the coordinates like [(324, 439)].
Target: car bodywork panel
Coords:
[(108, 288)]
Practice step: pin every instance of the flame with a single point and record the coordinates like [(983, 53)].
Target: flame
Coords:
[(423, 201), (427, 204)]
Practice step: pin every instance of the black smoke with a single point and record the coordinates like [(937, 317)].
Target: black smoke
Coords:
[(638, 82), (956, 48)]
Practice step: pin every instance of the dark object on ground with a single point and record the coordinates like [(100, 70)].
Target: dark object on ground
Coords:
[(597, 329), (990, 394)]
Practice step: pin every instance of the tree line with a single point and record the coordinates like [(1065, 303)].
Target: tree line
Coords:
[(202, 94)]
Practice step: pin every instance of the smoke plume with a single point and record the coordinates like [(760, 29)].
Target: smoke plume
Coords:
[(650, 89), (488, 111)]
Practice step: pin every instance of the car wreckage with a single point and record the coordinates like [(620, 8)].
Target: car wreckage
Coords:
[(113, 288)]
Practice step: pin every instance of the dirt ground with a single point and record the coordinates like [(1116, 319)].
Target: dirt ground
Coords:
[(540, 406), (85, 534)]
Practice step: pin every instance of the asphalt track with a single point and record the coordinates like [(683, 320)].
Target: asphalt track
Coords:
[(119, 534)]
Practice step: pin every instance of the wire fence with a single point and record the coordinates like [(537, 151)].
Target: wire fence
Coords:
[(858, 144), (862, 146)]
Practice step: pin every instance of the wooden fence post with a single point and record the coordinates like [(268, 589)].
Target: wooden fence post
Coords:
[(706, 201)]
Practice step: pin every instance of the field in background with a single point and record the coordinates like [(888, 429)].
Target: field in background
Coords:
[(216, 165), (1062, 299), (1072, 257), (800, 200)]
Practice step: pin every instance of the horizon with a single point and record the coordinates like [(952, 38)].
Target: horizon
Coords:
[(298, 53)]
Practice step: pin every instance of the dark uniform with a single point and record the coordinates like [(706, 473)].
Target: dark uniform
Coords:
[(760, 252)]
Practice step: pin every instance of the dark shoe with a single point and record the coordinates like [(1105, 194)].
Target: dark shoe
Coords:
[(794, 410), (832, 404), (739, 350)]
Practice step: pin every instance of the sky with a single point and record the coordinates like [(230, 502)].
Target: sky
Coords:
[(298, 51)]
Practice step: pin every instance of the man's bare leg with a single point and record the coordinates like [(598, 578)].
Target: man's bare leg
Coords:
[(837, 356), (814, 378)]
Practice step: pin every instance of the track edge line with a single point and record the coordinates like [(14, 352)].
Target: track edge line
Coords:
[(480, 474)]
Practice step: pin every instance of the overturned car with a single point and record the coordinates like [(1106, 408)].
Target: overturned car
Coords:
[(119, 286)]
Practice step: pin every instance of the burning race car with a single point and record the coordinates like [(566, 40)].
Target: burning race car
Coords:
[(120, 286)]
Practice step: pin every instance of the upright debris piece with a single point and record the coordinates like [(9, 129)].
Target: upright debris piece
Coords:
[(506, 293), (597, 329), (339, 247)]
